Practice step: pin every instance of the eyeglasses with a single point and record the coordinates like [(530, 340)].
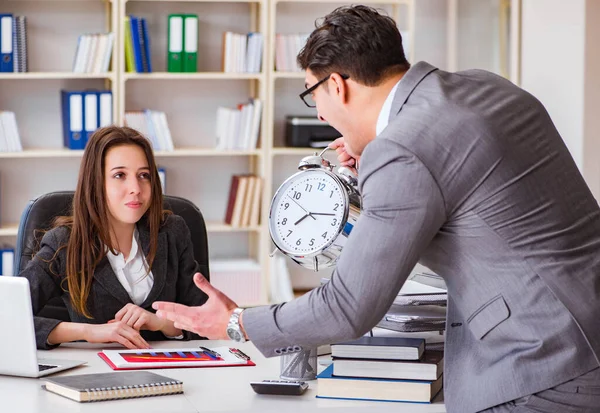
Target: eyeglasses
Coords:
[(307, 96)]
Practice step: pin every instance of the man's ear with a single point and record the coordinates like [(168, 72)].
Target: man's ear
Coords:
[(338, 87)]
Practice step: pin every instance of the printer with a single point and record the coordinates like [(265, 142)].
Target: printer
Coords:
[(304, 131)]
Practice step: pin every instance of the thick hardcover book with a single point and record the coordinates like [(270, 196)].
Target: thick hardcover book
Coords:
[(111, 386), (414, 391), (381, 348), (175, 358), (430, 367)]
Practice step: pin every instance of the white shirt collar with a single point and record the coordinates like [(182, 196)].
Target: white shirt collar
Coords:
[(384, 114), (119, 258)]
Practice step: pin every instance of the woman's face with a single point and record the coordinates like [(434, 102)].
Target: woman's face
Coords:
[(127, 184)]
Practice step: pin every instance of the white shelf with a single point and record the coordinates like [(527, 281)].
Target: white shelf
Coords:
[(221, 227), (183, 152), (196, 1), (43, 153), (295, 151), (345, 1), (288, 75), (55, 75), (193, 76), (205, 152), (11, 230)]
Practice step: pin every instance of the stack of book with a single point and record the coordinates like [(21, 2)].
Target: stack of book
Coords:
[(239, 128), (13, 43), (10, 141), (242, 53), (383, 369), (93, 53), (153, 125), (243, 205), (287, 47)]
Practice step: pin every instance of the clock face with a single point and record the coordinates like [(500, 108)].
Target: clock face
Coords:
[(307, 212)]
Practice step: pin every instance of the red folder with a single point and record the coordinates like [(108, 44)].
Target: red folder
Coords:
[(174, 358)]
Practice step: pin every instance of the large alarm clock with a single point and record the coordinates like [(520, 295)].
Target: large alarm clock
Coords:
[(314, 211)]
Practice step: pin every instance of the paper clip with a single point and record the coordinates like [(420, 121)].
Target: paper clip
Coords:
[(239, 353)]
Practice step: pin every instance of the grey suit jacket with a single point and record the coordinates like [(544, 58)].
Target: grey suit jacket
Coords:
[(173, 270), (471, 178)]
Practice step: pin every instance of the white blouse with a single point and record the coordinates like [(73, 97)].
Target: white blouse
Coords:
[(132, 272)]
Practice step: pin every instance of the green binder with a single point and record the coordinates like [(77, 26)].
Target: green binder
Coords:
[(175, 43), (190, 43), (129, 61)]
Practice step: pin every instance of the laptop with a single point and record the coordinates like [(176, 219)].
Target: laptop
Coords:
[(18, 354)]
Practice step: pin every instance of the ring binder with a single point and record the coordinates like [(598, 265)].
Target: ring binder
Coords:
[(85, 388)]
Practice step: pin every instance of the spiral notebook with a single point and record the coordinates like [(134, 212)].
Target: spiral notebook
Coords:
[(111, 386)]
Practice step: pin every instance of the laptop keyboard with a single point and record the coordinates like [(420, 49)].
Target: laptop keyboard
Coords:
[(43, 367)]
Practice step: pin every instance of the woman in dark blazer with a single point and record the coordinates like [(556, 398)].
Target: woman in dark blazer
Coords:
[(116, 254)]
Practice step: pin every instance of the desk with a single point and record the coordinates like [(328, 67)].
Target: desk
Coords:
[(205, 389)]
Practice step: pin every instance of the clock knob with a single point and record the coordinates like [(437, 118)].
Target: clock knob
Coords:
[(348, 175)]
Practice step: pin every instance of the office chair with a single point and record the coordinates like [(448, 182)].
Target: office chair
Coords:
[(41, 211)]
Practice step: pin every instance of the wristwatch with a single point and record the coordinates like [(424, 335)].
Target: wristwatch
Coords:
[(234, 329)]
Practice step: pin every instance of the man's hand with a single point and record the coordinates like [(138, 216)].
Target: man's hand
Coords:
[(344, 158), (115, 332), (209, 320), (140, 319)]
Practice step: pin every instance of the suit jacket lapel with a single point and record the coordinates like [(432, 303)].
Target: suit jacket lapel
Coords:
[(159, 266), (409, 82), (106, 277)]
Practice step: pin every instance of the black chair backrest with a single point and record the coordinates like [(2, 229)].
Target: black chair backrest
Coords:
[(41, 211)]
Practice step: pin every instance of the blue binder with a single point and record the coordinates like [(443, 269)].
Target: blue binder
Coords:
[(73, 119), (7, 259), (146, 42), (6, 42), (137, 44), (105, 111), (90, 113)]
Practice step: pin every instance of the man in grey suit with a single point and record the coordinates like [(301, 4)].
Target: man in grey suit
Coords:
[(466, 173)]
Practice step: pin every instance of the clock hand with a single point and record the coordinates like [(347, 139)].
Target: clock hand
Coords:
[(301, 219), (307, 213)]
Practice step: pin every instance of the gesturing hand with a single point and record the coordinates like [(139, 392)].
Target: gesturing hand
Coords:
[(115, 332), (209, 320), (140, 319)]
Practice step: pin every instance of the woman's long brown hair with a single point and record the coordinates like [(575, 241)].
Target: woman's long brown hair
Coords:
[(89, 222)]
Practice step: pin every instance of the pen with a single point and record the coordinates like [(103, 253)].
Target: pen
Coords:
[(239, 353), (209, 352)]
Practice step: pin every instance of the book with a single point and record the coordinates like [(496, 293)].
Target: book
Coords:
[(391, 390), (381, 348), (111, 386), (175, 358), (429, 367)]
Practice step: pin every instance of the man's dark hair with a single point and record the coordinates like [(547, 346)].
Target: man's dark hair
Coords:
[(357, 41)]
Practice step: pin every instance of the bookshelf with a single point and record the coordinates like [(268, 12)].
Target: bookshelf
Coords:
[(195, 170)]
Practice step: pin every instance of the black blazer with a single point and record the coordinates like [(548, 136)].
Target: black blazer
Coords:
[(173, 270)]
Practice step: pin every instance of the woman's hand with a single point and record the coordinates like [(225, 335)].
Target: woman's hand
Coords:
[(115, 332), (140, 319)]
